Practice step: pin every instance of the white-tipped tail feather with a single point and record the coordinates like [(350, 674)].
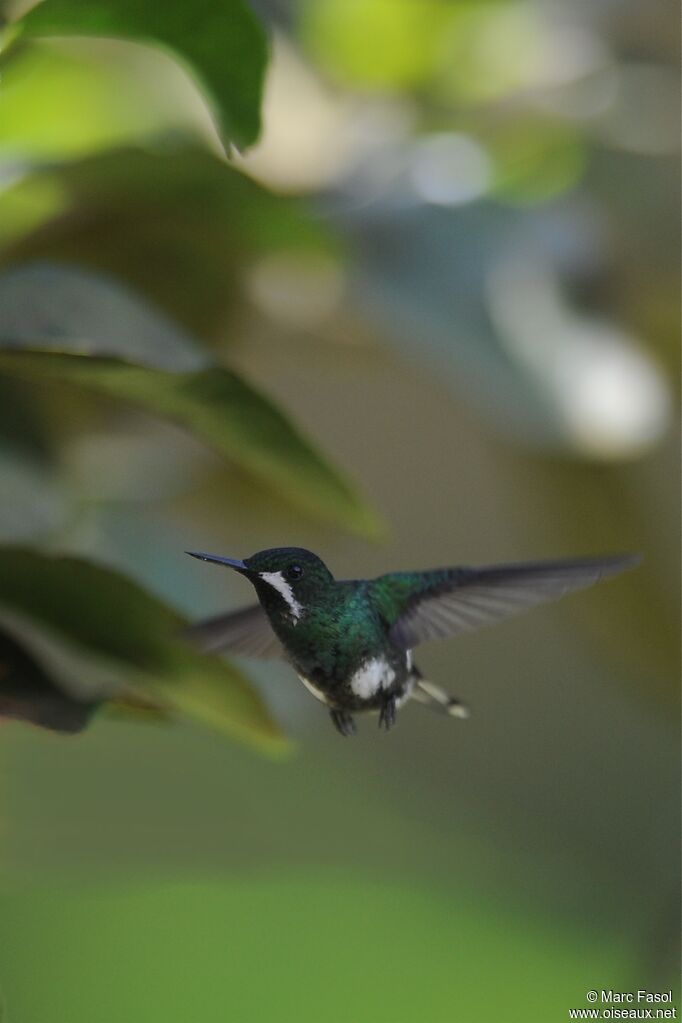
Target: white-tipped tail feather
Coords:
[(433, 696)]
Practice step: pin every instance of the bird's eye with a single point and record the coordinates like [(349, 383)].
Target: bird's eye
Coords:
[(294, 572)]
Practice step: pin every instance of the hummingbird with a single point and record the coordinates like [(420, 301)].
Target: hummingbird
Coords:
[(351, 641)]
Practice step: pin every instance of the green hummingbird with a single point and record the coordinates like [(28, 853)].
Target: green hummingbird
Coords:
[(351, 641)]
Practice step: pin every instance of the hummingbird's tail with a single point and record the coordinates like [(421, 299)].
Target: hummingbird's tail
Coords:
[(436, 698)]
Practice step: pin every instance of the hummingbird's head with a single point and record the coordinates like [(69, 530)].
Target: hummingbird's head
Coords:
[(287, 579)]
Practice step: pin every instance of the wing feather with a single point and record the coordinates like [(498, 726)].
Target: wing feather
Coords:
[(247, 633), (461, 599)]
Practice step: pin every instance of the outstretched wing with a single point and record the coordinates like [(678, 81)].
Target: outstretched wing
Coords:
[(433, 605), (247, 633)]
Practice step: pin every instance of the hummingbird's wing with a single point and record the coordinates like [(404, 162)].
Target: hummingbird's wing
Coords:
[(421, 606), (247, 633)]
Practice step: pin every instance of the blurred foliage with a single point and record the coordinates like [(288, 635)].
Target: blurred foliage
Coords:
[(222, 410), (61, 608), (184, 202), (43, 85), (27, 693), (224, 45), (389, 44), (155, 219), (452, 258)]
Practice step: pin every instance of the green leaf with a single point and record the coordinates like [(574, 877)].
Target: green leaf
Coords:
[(59, 307), (222, 43), (29, 693), (104, 627), (219, 408), (60, 102)]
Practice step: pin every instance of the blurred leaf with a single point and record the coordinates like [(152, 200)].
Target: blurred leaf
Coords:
[(34, 500), (376, 44), (27, 204), (176, 225), (132, 707), (61, 307), (494, 49), (49, 683), (22, 426), (223, 44), (43, 87), (106, 621), (28, 693), (220, 408)]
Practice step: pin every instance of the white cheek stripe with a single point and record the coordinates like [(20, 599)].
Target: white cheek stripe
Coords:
[(279, 583)]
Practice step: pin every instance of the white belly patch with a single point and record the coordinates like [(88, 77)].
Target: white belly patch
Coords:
[(371, 677)]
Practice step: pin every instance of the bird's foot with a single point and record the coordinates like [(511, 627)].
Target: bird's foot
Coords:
[(343, 722), (387, 714)]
